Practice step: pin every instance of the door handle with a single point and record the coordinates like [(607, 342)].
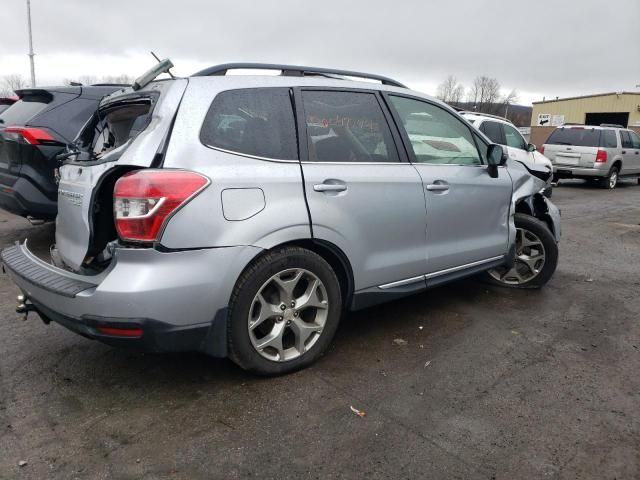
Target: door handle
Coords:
[(328, 187), (437, 187), (624, 151)]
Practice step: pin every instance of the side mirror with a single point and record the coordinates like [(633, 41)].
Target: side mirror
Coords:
[(496, 157), (531, 147)]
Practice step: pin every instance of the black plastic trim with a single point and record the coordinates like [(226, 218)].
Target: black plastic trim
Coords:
[(294, 70), (15, 260)]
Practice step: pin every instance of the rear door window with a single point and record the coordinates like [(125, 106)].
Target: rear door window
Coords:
[(626, 139), (493, 130), (609, 139), (579, 137), (254, 121), (24, 109), (347, 127)]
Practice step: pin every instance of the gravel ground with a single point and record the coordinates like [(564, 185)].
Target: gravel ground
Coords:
[(492, 382)]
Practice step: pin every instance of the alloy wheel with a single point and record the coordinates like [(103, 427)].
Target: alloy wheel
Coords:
[(613, 179), (288, 314), (529, 261)]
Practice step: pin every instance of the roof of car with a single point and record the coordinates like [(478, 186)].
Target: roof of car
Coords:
[(478, 115), (257, 81), (217, 83), (594, 127)]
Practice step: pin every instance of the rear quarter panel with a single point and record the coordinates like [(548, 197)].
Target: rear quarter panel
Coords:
[(273, 210)]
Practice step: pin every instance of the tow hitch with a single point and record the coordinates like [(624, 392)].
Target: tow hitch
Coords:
[(24, 307)]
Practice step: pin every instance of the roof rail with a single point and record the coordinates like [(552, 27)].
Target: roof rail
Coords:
[(613, 125), (484, 114), (294, 71)]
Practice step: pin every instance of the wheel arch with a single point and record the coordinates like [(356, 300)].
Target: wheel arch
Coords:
[(617, 163), (536, 206), (331, 253)]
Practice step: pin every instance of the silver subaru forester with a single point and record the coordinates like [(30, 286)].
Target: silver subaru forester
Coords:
[(241, 215)]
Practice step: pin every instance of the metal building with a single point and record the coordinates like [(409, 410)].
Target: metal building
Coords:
[(621, 108)]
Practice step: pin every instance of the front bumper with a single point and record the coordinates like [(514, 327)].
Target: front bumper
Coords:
[(178, 298)]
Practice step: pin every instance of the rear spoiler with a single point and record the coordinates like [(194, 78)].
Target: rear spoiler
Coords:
[(24, 92)]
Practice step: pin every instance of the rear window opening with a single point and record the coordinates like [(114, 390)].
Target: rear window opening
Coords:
[(579, 137), (114, 126)]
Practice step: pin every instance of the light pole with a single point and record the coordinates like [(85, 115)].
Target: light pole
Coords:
[(31, 54)]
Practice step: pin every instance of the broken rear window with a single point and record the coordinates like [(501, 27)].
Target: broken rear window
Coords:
[(115, 125)]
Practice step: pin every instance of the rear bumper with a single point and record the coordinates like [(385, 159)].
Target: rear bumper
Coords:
[(177, 299), (578, 172), (156, 336), (24, 199)]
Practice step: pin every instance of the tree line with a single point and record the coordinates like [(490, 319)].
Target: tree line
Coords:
[(10, 83), (485, 95)]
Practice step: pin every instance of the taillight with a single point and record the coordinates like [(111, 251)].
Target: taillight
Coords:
[(144, 200), (30, 135), (601, 156), (541, 149)]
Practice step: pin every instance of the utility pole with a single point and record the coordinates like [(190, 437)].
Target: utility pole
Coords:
[(31, 54)]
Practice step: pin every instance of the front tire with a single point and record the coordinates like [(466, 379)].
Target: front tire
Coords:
[(283, 312), (536, 256)]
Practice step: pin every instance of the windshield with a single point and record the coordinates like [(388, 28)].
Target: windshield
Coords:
[(579, 137)]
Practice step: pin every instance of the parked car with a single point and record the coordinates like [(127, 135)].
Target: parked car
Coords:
[(33, 131), (241, 215), (6, 102), (503, 132), (603, 153)]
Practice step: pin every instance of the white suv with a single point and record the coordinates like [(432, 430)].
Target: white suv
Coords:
[(502, 131)]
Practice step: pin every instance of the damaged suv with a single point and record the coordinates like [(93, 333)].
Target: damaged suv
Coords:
[(241, 215)]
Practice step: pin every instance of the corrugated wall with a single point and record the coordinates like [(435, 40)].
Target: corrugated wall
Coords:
[(574, 110)]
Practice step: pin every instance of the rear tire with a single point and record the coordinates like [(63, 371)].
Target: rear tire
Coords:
[(611, 180), (284, 312), (536, 256)]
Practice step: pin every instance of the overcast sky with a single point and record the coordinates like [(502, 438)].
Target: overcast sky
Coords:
[(540, 48)]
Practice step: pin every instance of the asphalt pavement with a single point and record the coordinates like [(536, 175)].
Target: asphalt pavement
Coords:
[(465, 381)]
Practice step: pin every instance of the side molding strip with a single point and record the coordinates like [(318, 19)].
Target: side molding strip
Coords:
[(408, 281), (462, 267)]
